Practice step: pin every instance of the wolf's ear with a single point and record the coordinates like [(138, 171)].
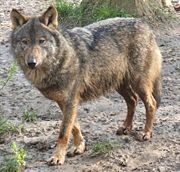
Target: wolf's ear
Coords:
[(17, 18), (50, 17)]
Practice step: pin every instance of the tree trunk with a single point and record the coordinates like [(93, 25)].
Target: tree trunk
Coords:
[(142, 8), (167, 3)]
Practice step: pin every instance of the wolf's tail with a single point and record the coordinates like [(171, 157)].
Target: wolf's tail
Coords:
[(157, 91)]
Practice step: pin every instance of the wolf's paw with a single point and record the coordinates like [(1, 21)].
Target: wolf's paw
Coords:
[(77, 150), (123, 130), (56, 160), (144, 136)]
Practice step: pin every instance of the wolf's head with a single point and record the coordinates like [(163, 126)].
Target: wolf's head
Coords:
[(35, 40)]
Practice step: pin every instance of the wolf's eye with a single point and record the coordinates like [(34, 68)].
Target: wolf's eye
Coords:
[(42, 41), (24, 41)]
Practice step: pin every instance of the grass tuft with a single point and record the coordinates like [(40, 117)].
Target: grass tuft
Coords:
[(65, 8), (16, 162), (7, 127), (29, 116), (11, 72), (79, 15), (101, 148), (107, 11)]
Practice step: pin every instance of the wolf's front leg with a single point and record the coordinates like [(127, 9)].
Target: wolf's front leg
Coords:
[(70, 113), (79, 142)]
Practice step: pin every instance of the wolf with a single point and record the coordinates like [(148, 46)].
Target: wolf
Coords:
[(72, 66)]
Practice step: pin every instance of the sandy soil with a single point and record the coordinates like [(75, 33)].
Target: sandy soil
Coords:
[(99, 119)]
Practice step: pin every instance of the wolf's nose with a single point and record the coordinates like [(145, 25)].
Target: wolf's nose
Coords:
[(32, 63)]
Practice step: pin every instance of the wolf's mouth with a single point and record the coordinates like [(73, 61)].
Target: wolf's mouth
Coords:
[(32, 66)]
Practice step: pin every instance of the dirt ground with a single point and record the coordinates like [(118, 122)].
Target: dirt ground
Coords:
[(99, 119)]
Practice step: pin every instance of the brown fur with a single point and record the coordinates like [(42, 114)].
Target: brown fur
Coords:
[(81, 64)]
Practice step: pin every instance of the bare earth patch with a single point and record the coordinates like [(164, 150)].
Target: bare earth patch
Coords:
[(99, 119)]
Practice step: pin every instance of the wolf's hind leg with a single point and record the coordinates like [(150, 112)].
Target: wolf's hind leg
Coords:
[(79, 142), (145, 93), (131, 100)]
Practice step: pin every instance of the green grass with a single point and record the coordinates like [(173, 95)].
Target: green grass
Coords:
[(16, 161), (12, 70), (71, 14), (105, 11), (29, 116), (7, 127), (104, 147), (64, 7)]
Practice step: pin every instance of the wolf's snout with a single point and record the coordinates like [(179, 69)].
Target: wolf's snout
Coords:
[(32, 63)]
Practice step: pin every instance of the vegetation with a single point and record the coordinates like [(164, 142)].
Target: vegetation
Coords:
[(29, 116), (12, 70), (146, 9), (104, 147), (162, 14), (7, 127), (78, 14), (88, 11), (16, 161)]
